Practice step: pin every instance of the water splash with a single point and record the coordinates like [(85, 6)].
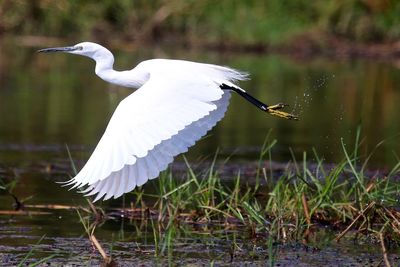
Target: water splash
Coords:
[(305, 100)]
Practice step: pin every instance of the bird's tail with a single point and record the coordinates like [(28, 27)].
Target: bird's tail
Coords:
[(229, 74)]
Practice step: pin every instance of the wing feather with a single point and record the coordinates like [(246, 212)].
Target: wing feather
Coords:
[(162, 155), (142, 173), (159, 121)]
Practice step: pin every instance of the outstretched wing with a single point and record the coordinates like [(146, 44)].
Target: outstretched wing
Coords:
[(157, 122), (158, 158)]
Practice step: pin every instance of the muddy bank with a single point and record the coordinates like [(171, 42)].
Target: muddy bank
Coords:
[(309, 46), (302, 46), (227, 249)]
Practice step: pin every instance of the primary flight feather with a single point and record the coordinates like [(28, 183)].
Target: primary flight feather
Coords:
[(176, 103)]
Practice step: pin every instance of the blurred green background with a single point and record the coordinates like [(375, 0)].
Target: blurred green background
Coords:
[(244, 22)]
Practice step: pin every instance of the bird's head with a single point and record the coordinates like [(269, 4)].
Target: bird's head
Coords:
[(87, 49)]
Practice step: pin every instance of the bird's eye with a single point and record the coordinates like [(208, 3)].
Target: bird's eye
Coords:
[(79, 47)]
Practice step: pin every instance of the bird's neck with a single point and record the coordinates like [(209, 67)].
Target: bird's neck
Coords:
[(104, 65), (104, 69)]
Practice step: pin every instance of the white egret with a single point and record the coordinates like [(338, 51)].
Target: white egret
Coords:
[(176, 104)]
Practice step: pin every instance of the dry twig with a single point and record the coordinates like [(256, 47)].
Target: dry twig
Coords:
[(370, 205), (107, 260), (305, 208), (384, 251)]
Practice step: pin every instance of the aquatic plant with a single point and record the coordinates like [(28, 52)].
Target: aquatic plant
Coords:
[(270, 208), (274, 208)]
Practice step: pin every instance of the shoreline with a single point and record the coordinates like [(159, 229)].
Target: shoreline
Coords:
[(304, 46)]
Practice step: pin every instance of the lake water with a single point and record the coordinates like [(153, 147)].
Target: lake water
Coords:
[(48, 101)]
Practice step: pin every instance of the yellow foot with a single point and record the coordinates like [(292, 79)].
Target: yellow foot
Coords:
[(274, 110), (277, 106)]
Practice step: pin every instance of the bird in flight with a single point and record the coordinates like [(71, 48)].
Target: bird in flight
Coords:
[(176, 103)]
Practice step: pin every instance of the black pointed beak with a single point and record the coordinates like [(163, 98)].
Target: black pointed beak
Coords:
[(58, 49)]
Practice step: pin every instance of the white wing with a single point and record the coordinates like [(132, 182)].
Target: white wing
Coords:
[(162, 119)]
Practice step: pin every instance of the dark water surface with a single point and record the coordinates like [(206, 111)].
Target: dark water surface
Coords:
[(49, 101)]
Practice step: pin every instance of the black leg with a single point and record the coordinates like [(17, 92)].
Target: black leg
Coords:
[(246, 96), (273, 109)]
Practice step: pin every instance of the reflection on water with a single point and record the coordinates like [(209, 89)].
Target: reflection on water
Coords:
[(57, 99)]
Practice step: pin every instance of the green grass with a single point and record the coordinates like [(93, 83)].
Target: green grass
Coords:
[(24, 261), (285, 207), (268, 208)]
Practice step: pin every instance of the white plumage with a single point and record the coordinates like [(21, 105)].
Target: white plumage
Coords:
[(176, 104)]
